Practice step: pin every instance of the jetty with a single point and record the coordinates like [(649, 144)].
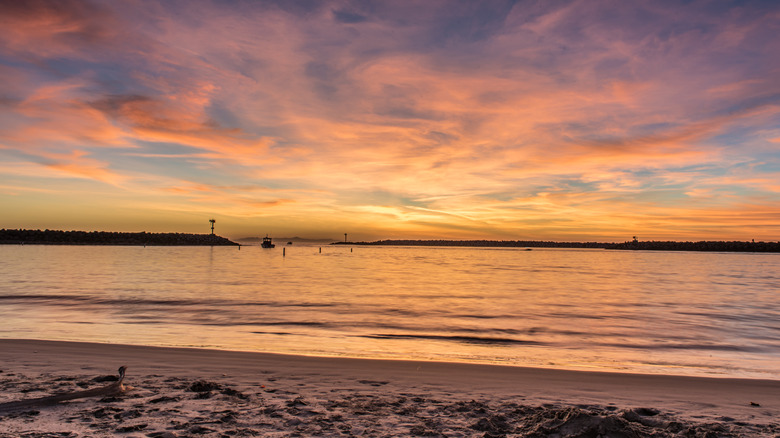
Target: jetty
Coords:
[(57, 237)]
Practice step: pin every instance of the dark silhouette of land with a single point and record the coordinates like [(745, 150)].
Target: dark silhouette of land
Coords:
[(717, 246), (56, 237)]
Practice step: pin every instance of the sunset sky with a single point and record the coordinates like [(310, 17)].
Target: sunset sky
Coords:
[(554, 120)]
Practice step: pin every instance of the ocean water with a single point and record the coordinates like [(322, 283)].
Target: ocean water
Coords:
[(688, 313)]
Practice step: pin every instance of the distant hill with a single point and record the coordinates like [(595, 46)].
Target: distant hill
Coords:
[(717, 246), (56, 237)]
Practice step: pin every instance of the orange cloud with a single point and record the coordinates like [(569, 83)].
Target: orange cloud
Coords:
[(558, 120), (80, 165)]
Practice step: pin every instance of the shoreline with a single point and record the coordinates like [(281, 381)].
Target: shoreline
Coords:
[(216, 349), (333, 392)]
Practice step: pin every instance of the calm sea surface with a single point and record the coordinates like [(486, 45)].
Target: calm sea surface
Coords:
[(712, 314)]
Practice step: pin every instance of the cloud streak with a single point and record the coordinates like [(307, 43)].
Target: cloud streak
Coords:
[(568, 120)]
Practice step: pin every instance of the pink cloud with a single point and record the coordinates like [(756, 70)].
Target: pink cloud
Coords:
[(52, 28)]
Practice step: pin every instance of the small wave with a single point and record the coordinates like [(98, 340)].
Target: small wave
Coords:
[(529, 331), (713, 347), (143, 322), (755, 316), (66, 300), (455, 338), (476, 316), (82, 299), (43, 297), (295, 323), (276, 304)]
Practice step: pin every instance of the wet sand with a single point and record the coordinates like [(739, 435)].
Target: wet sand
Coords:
[(176, 392)]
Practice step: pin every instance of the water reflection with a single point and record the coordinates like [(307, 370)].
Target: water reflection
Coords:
[(694, 313)]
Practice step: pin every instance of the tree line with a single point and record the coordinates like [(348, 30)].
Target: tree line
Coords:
[(717, 246)]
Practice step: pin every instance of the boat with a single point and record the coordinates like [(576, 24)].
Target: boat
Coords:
[(267, 242)]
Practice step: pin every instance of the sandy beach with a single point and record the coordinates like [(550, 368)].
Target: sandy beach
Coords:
[(176, 392)]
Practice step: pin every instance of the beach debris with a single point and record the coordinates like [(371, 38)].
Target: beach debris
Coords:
[(235, 393), (109, 390), (493, 425), (646, 412), (202, 389), (644, 416), (164, 399), (168, 408), (199, 430), (133, 413), (133, 428), (227, 416), (106, 378), (299, 401), (164, 434), (203, 386), (374, 382), (105, 412)]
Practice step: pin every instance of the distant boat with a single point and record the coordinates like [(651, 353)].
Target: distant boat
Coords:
[(289, 243), (267, 242)]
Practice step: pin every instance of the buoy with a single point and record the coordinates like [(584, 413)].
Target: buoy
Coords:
[(283, 251), (320, 250)]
